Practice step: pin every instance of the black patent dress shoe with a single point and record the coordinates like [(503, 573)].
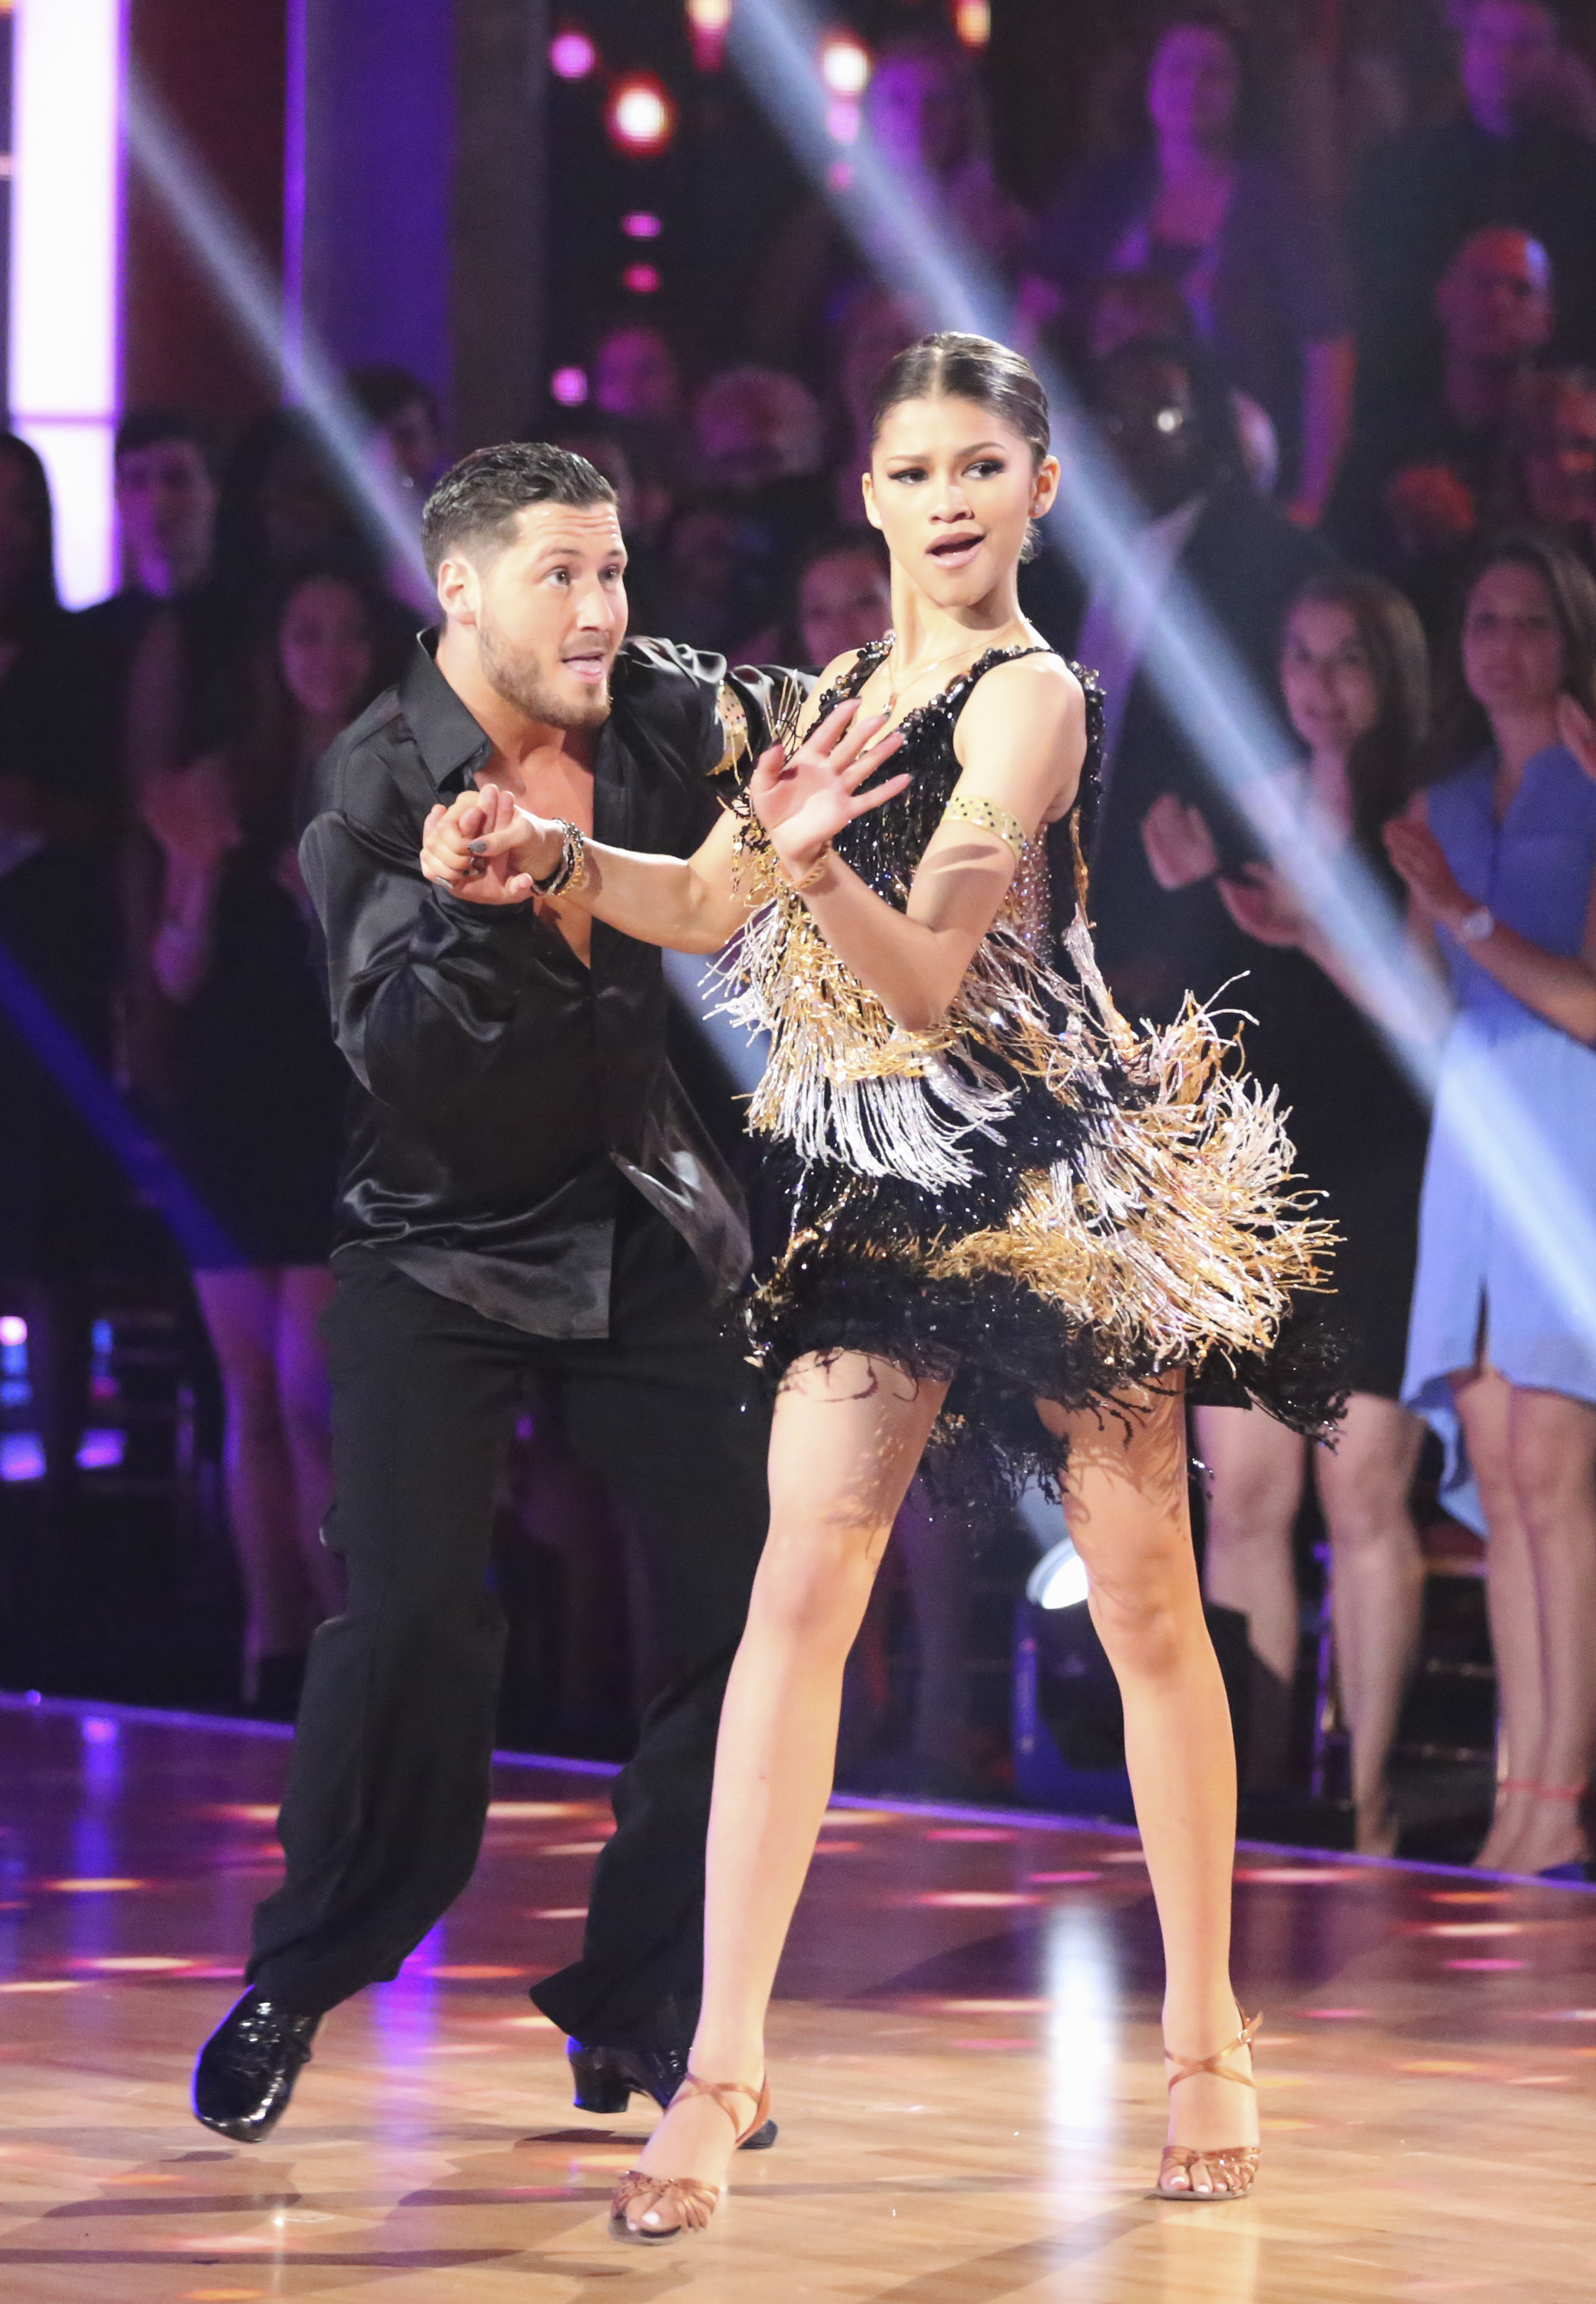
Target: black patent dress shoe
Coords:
[(247, 2069), (607, 2078)]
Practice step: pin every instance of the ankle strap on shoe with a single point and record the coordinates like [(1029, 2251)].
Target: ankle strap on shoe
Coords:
[(1558, 1791), (1187, 2068), (718, 2092)]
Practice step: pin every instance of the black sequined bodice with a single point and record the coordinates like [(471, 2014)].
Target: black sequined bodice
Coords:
[(886, 846)]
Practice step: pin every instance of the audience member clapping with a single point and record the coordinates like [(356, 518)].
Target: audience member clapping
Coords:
[(1500, 856), (1354, 677), (1258, 267)]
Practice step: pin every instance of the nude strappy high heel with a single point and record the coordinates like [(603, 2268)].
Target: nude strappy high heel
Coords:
[(693, 2203), (1237, 2163)]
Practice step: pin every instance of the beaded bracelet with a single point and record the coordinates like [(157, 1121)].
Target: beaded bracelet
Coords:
[(571, 870), (971, 807)]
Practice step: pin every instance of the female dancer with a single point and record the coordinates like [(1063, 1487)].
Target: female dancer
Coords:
[(1354, 675), (1501, 858), (1008, 1213)]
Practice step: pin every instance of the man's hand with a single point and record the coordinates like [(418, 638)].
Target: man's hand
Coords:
[(484, 848), (804, 802)]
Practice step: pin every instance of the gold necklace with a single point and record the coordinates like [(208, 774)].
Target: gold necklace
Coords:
[(895, 689)]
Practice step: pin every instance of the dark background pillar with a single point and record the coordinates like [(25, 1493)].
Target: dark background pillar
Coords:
[(421, 155)]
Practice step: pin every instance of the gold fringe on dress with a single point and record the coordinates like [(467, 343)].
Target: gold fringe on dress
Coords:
[(1171, 1226)]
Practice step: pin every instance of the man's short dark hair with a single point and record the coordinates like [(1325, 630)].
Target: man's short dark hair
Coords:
[(153, 428), (480, 499)]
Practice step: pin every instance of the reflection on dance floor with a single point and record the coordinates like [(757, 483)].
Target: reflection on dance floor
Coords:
[(965, 2060)]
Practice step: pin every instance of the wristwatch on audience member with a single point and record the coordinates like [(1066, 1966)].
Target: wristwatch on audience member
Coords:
[(1474, 927)]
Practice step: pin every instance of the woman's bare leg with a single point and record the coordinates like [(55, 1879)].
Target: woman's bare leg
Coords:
[(1377, 1589), (847, 1436), (304, 1293), (1484, 1403), (240, 1313), (1552, 1443), (1256, 1468), (1126, 1496)]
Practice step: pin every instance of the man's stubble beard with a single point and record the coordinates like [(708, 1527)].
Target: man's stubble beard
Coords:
[(522, 685)]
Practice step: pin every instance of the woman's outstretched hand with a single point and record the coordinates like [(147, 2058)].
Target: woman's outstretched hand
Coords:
[(484, 848), (805, 801)]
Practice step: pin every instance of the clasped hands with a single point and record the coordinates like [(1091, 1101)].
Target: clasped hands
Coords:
[(488, 849)]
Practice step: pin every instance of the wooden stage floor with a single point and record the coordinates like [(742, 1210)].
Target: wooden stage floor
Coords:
[(964, 2057)]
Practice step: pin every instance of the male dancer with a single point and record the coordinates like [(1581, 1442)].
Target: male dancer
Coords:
[(525, 1188)]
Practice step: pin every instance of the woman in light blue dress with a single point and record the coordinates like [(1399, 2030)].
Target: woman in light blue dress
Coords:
[(1500, 861)]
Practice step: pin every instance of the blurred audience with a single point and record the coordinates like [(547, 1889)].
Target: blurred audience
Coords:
[(60, 1193), (1354, 677), (1552, 455), (405, 451), (1500, 858), (1503, 157), (924, 115), (876, 326), (636, 375), (407, 430), (844, 599), (1202, 206), (1165, 420), (1426, 480), (251, 1090)]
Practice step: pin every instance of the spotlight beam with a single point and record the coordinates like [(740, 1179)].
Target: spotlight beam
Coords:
[(201, 214), (920, 255)]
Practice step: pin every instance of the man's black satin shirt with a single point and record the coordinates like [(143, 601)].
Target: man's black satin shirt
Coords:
[(504, 1088)]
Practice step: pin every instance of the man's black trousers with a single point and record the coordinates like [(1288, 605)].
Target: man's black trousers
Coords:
[(388, 1790)]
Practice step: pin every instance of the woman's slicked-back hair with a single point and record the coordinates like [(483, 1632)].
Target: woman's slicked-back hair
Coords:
[(954, 366), (1385, 763)]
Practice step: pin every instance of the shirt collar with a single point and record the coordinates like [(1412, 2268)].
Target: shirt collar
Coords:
[(452, 743)]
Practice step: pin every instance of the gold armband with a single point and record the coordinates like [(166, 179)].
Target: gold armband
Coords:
[(970, 808)]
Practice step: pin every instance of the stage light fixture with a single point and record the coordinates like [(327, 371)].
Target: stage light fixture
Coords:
[(571, 55), (845, 65), (707, 23), (1058, 1580), (841, 121), (642, 225), (640, 115), (568, 387), (972, 22), (640, 280)]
